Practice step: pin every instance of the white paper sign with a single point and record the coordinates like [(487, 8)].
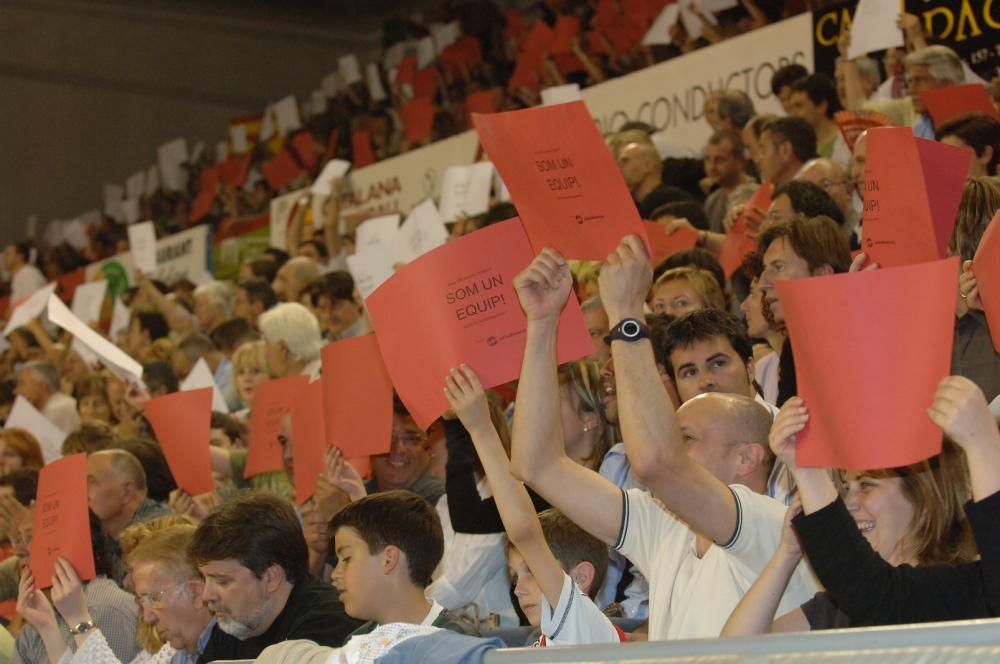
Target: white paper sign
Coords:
[(422, 231), (171, 156), (561, 94), (267, 128), (113, 194), (221, 151), (874, 27), (465, 190), (238, 136), (281, 210), (500, 190), (370, 269), (350, 70), (335, 168), (659, 32), (374, 80), (131, 210), (445, 34), (111, 356), (426, 53), (120, 317), (376, 233), (693, 22), (23, 415), (88, 298), (28, 310), (201, 377), (135, 185), (152, 180), (142, 244), (286, 114)]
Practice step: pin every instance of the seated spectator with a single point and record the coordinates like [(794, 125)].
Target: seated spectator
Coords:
[(981, 133), (144, 328), (725, 167), (38, 382), (257, 582), (92, 436), (159, 378), (253, 297), (834, 179), (232, 333), (19, 449), (407, 463), (117, 491), (159, 480), (696, 257), (25, 278), (197, 346), (735, 108), (804, 198), (213, 303), (783, 80), (262, 266), (759, 328), (293, 277), (814, 99), (785, 145), (292, 340), (685, 289), (249, 372), (642, 169), (340, 316), (751, 140)]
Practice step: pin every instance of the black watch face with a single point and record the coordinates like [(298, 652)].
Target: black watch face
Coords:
[(630, 329)]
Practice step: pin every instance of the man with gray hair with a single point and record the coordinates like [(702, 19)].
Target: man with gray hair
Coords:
[(926, 69), (213, 303), (831, 175), (117, 491), (735, 108), (38, 382), (293, 340), (293, 277)]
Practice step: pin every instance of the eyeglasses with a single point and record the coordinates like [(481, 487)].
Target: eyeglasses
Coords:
[(409, 438), (158, 599)]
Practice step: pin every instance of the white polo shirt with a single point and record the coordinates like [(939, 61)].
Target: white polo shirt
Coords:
[(575, 621)]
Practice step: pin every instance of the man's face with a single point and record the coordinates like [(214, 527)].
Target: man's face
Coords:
[(172, 604), (120, 408), (238, 599), (107, 491), (708, 438), (770, 160), (919, 78), (356, 575), (277, 358), (834, 181), (803, 107), (242, 307), (780, 262), (208, 312), (722, 164), (785, 98), (712, 111), (32, 387), (281, 284), (598, 327), (337, 315), (633, 164), (526, 588), (710, 365), (407, 459)]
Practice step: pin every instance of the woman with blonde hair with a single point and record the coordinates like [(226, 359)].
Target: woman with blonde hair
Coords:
[(684, 289), (249, 372)]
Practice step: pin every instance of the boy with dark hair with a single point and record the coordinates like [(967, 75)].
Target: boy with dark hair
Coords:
[(388, 545), (556, 566)]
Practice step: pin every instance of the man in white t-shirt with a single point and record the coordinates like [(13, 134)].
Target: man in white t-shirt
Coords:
[(706, 531), (25, 278)]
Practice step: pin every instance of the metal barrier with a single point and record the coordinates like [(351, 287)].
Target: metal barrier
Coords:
[(965, 642)]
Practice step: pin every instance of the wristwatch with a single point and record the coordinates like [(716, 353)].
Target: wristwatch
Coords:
[(82, 628), (629, 329)]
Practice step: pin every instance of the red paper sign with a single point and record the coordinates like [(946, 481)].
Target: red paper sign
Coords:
[(854, 123), (564, 181), (361, 149), (418, 119), (736, 244), (425, 82), (667, 244), (308, 440), (407, 70), (182, 422), (948, 102), (869, 355), (986, 266), (281, 170), (62, 523), (484, 101), (596, 43), (567, 27), (305, 148), (271, 403), (467, 312), (912, 191), (357, 397)]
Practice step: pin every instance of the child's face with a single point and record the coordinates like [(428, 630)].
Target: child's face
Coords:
[(526, 589), (356, 575)]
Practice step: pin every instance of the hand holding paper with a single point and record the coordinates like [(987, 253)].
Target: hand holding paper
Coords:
[(182, 422), (142, 244), (62, 522)]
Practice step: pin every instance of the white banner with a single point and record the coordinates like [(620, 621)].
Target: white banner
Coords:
[(184, 254), (671, 95)]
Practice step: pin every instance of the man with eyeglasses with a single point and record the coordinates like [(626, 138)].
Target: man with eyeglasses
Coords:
[(407, 464), (835, 181)]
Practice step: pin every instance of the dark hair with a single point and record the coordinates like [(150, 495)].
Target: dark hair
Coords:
[(153, 323), (7, 393), (232, 333), (658, 324), (231, 426), (572, 545), (280, 257), (702, 325), (817, 240), (106, 557), (977, 130), (796, 132), (638, 125), (786, 76), (686, 209), (318, 246), (92, 436), (401, 519), (159, 374), (23, 249), (256, 529), (336, 285), (810, 199), (259, 290), (497, 213), (735, 141), (264, 266), (159, 480), (24, 482), (695, 257), (820, 88)]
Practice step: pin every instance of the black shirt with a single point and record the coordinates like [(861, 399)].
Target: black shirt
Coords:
[(313, 611), (661, 195)]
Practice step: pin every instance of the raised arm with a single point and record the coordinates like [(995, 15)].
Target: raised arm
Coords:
[(815, 485), (331, 219), (652, 437), (538, 455), (468, 400)]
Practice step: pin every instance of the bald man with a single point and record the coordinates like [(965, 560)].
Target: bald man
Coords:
[(117, 492), (642, 169), (705, 531), (836, 181), (293, 277)]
